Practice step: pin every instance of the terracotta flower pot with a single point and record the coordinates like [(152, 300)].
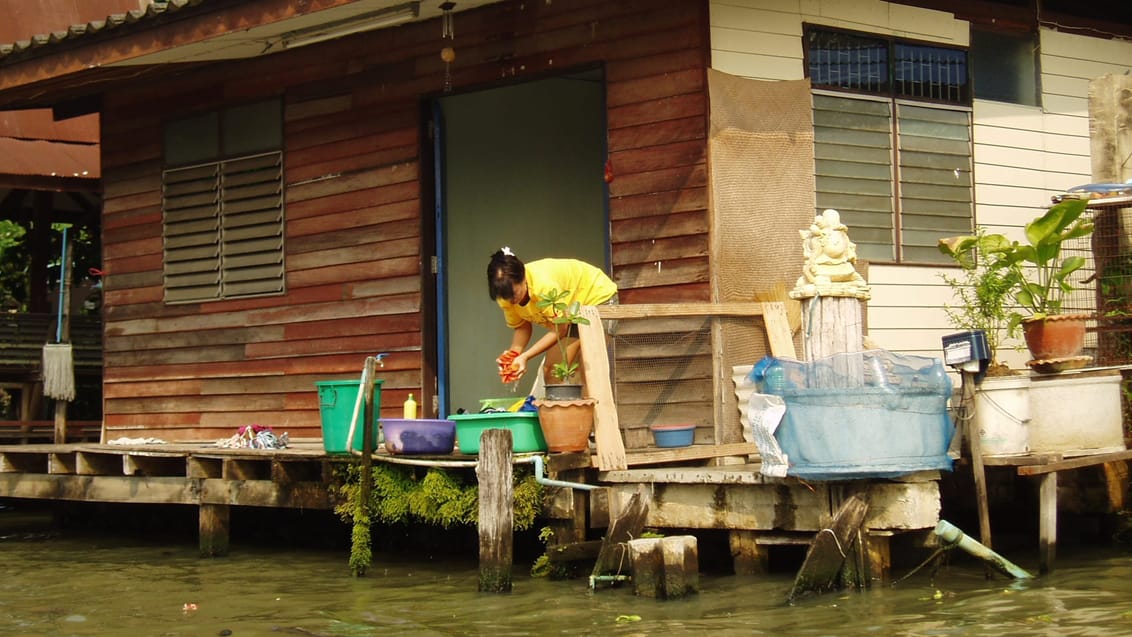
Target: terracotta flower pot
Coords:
[(566, 424), (1053, 337)]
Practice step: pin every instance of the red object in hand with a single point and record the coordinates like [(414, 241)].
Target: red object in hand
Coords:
[(508, 371)]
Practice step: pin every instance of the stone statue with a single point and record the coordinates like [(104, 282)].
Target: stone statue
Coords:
[(829, 255)]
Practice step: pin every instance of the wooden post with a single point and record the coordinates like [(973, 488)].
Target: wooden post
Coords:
[(1047, 523), (647, 560), (746, 555), (627, 525), (496, 512), (361, 540), (64, 331), (1111, 138), (974, 442), (878, 548), (831, 325), (827, 553), (214, 529), (666, 567), (681, 566)]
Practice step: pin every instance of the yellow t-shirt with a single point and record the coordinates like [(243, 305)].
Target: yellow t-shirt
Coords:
[(588, 285)]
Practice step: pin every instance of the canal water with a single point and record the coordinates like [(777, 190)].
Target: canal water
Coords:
[(93, 582)]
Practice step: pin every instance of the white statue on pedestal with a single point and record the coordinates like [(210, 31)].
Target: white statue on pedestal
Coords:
[(830, 256)]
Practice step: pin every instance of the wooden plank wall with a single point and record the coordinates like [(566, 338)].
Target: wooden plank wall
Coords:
[(357, 234)]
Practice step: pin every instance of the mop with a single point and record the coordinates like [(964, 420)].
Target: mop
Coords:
[(58, 366)]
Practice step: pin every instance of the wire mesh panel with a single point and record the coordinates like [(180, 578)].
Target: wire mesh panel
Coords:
[(666, 371), (1105, 283)]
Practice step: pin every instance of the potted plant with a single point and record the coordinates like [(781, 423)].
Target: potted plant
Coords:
[(566, 418), (1041, 278), (563, 369)]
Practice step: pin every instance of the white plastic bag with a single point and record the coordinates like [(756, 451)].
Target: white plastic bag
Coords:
[(765, 412)]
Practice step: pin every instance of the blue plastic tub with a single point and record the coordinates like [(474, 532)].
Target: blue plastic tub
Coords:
[(863, 415), (673, 435)]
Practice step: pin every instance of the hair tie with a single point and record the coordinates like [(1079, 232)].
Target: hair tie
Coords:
[(507, 251)]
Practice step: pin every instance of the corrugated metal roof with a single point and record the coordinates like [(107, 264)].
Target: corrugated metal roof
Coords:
[(77, 31), (50, 159)]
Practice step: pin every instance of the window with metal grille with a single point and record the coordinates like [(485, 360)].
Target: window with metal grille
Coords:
[(223, 215), (892, 142)]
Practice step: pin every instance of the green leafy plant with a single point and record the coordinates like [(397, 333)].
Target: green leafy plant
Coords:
[(563, 314), (984, 291), (409, 495), (1039, 274)]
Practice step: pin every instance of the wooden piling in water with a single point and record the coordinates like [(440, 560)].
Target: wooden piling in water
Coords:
[(681, 565), (496, 513), (666, 568), (214, 529)]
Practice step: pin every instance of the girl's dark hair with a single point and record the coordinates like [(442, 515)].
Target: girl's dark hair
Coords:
[(504, 271)]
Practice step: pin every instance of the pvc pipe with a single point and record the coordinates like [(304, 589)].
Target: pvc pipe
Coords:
[(539, 478), (357, 407), (608, 578), (951, 534)]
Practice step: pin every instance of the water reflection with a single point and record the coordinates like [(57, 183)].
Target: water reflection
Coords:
[(63, 585)]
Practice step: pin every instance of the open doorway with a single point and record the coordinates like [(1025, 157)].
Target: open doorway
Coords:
[(519, 166)]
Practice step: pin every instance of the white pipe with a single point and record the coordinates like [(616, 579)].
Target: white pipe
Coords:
[(357, 407), (539, 478), (951, 534)]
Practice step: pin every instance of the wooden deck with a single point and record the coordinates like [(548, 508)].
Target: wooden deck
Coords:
[(1045, 467), (193, 474)]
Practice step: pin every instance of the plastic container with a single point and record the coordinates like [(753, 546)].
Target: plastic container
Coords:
[(419, 436), (499, 403), (864, 414), (526, 435), (1076, 413), (336, 399), (1002, 415), (409, 409), (673, 435)]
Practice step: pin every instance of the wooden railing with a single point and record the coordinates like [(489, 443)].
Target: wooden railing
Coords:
[(43, 431)]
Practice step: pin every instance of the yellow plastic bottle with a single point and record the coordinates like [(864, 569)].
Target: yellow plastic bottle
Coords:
[(410, 407)]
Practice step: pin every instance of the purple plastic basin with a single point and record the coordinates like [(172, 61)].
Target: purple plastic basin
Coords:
[(419, 436)]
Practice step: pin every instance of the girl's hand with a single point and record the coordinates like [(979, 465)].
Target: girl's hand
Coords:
[(511, 366)]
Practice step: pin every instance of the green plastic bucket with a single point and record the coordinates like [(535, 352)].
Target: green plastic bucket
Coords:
[(336, 400)]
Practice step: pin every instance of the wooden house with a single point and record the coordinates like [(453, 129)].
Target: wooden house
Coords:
[(290, 187), (49, 173)]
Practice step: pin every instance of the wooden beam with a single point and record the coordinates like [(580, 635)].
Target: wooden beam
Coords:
[(1075, 463), (695, 452), (263, 493), (607, 430), (662, 310), (41, 486)]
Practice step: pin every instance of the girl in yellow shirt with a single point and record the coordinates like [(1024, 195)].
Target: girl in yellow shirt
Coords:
[(517, 288)]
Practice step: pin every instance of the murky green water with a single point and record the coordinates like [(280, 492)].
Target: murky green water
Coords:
[(94, 584)]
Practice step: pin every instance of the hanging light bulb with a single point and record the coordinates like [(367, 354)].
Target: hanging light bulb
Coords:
[(447, 28)]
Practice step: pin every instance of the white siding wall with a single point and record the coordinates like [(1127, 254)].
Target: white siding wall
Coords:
[(1023, 154)]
